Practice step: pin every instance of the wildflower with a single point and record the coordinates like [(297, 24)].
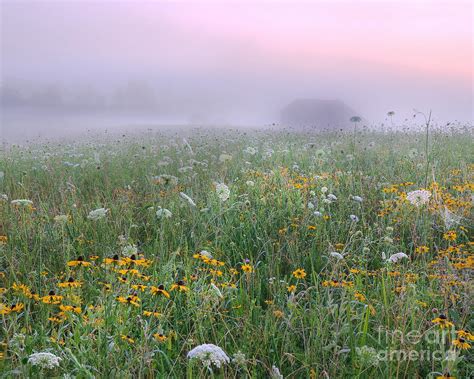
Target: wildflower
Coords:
[(422, 249), (79, 262), (223, 192), (209, 354), (160, 290), (336, 255), (367, 356), (332, 197), (354, 218), (360, 297), (163, 213), (97, 214), (250, 150), (61, 219), (250, 183), (71, 283), (442, 321), (275, 373), (44, 360), (278, 314), (239, 358), (3, 240), (299, 273), (127, 339), (291, 289), (166, 180), (160, 337), (132, 299), (114, 259), (22, 203), (418, 197), (180, 286), (464, 334), (224, 158), (187, 199), (357, 199), (461, 343), (150, 313), (450, 235), (70, 308), (52, 298), (247, 268), (394, 258)]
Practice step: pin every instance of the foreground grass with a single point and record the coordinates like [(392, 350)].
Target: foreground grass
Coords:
[(282, 275)]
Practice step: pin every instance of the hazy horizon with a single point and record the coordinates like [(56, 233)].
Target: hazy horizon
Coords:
[(210, 62)]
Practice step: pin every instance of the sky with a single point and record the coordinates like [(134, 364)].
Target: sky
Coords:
[(243, 60)]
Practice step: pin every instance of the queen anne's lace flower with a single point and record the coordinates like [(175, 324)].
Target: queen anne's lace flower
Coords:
[(336, 255), (44, 360), (97, 214), (209, 354), (188, 199), (22, 202), (222, 191), (394, 258), (419, 197), (163, 213)]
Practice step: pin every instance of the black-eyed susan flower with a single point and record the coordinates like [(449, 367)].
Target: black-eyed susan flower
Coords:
[(52, 298), (291, 288), (160, 290), (151, 313), (131, 299), (422, 249), (79, 262), (461, 343), (247, 268), (299, 273), (70, 283), (127, 339), (160, 337), (114, 260), (442, 321), (139, 287), (180, 286), (360, 297), (450, 235)]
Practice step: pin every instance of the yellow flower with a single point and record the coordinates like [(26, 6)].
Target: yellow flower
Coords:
[(71, 283), (52, 298), (278, 314), (247, 268), (127, 338), (79, 262), (291, 288), (422, 249), (132, 299), (160, 290), (299, 273), (160, 337), (442, 321), (360, 297), (450, 235), (180, 286), (461, 343), (150, 313)]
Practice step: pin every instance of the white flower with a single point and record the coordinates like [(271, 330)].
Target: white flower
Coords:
[(450, 219), (129, 250), (206, 254), (222, 191), (97, 214), (163, 213), (3, 197), (317, 213), (354, 218), (332, 197), (394, 258), (61, 219), (310, 205), (275, 373), (250, 183), (225, 157), (239, 358), (209, 354), (44, 360), (324, 189), (188, 199), (357, 199), (22, 202), (418, 197), (336, 255), (250, 150)]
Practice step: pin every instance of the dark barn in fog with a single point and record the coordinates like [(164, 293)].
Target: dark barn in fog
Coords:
[(317, 114)]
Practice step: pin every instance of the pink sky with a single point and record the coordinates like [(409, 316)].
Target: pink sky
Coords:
[(417, 53)]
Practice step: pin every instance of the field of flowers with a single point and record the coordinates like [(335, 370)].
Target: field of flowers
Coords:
[(230, 255)]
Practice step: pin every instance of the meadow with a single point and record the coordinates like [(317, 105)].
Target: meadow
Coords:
[(231, 254)]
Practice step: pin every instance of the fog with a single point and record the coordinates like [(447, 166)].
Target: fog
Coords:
[(67, 66)]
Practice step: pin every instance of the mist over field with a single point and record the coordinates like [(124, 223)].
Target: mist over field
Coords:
[(70, 66)]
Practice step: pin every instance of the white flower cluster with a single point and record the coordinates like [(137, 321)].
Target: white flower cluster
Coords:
[(187, 199), (209, 354), (419, 197), (44, 360), (22, 202), (222, 191), (97, 214), (163, 213), (394, 258)]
